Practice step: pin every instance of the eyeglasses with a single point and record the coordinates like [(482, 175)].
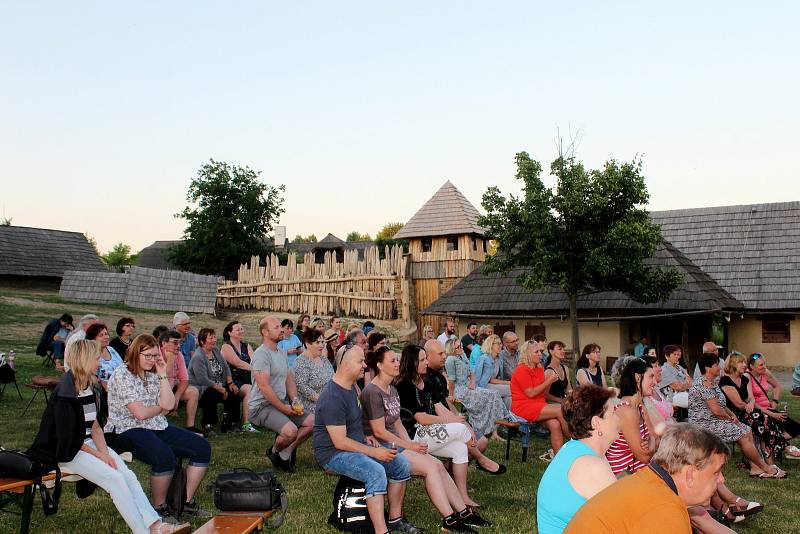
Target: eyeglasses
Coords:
[(596, 351), (150, 357), (130, 325)]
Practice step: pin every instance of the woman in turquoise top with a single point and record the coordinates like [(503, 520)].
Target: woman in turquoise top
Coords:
[(579, 470)]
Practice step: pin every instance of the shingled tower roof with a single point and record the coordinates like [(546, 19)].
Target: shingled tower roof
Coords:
[(448, 212)]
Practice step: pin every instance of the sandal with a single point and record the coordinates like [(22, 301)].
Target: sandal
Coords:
[(547, 456), (751, 508), (792, 452), (779, 474)]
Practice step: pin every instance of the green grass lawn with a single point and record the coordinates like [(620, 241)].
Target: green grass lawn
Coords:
[(508, 501)]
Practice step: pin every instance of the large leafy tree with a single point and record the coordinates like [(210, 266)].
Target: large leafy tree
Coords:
[(119, 256), (230, 213), (589, 233), (357, 236), (385, 237)]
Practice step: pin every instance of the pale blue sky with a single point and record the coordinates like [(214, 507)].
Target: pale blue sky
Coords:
[(364, 109)]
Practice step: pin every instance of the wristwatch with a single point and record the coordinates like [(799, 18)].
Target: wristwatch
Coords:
[(162, 377)]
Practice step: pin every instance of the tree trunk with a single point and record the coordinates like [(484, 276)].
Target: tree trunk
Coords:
[(573, 319)]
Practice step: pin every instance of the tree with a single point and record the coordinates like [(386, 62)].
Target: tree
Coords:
[(119, 256), (92, 243), (386, 238), (310, 238), (356, 236), (231, 212), (588, 234)]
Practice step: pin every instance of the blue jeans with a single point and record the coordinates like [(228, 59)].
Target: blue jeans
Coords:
[(160, 449), (58, 350), (372, 473)]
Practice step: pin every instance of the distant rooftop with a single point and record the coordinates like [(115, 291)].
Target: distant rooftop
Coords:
[(447, 212)]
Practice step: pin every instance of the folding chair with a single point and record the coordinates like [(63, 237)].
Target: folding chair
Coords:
[(8, 376)]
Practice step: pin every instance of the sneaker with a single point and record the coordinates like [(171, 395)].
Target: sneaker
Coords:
[(278, 462), (401, 524), (454, 524), (470, 517), (183, 528), (166, 515), (193, 509), (247, 427)]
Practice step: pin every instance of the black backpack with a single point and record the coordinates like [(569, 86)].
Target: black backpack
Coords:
[(176, 494), (350, 507)]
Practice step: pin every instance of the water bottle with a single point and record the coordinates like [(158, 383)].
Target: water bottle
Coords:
[(11, 357)]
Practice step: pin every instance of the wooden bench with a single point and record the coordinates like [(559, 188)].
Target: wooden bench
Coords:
[(235, 522), (20, 491), (524, 429)]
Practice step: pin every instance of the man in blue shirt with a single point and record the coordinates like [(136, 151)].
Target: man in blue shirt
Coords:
[(183, 326), (290, 342)]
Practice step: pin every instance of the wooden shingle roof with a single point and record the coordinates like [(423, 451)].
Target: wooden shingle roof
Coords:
[(155, 255), (752, 251), (495, 294), (448, 212), (28, 251)]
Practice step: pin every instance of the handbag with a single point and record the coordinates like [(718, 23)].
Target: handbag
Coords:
[(350, 507), (244, 490), (24, 466)]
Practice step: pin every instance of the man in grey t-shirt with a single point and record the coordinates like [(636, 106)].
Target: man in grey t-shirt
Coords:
[(273, 386)]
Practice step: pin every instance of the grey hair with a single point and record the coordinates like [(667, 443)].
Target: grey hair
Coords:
[(619, 366), (687, 444), (179, 317), (507, 335), (88, 317)]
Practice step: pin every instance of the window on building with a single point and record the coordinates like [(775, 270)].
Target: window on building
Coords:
[(533, 329), (452, 243), (427, 244), (474, 244), (501, 329), (776, 329)]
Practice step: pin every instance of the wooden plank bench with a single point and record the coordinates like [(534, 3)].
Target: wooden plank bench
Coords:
[(20, 491), (512, 428), (235, 522)]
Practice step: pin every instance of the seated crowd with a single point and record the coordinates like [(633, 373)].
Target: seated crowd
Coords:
[(380, 417)]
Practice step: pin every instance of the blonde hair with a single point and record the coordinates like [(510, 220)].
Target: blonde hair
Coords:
[(733, 360), (484, 329), (82, 356), (528, 348), (489, 342), (450, 345)]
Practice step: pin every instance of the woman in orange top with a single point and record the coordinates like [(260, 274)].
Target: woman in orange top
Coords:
[(528, 387)]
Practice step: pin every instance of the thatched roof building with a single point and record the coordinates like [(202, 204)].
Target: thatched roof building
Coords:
[(44, 253)]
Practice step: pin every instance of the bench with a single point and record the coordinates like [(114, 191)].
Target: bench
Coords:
[(524, 429), (235, 522), (20, 491)]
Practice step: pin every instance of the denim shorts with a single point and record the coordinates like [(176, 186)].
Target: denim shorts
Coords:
[(372, 473)]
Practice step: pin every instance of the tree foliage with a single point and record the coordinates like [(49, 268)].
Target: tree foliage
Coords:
[(386, 238), (388, 230), (230, 213), (590, 233), (310, 238), (357, 236), (119, 256), (93, 243)]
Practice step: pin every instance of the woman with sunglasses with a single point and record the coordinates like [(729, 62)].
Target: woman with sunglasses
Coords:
[(762, 383), (139, 397), (588, 367)]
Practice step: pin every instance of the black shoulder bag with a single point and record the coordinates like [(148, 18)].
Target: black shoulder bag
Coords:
[(25, 466), (244, 490)]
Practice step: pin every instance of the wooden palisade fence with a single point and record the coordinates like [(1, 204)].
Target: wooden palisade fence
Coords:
[(371, 288)]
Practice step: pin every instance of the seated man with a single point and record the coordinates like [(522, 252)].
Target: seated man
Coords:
[(273, 388), (796, 380), (684, 472), (54, 338), (340, 446)]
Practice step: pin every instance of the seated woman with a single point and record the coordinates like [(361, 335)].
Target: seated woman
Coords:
[(588, 369), (484, 406), (71, 433), (109, 359), (579, 471), (559, 389), (660, 409), (237, 354), (738, 391), (633, 446), (381, 405), (428, 421), (124, 330), (707, 408), (488, 366), (210, 374), (762, 383), (528, 386), (312, 370), (675, 381), (139, 395), (332, 343)]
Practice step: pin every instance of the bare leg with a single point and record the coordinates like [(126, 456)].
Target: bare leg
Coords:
[(706, 524), (375, 509), (556, 437), (159, 486), (750, 452), (552, 418), (194, 475), (244, 393), (425, 466), (396, 493), (286, 437), (191, 396), (303, 433), (460, 479)]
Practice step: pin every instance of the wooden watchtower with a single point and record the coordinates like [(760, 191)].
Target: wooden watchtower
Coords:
[(445, 245)]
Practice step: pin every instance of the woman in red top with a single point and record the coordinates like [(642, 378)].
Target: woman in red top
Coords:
[(528, 387)]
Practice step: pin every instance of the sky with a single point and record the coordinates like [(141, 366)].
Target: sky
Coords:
[(364, 109)]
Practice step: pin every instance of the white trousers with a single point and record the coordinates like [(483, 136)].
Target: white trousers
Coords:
[(448, 440), (121, 483)]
